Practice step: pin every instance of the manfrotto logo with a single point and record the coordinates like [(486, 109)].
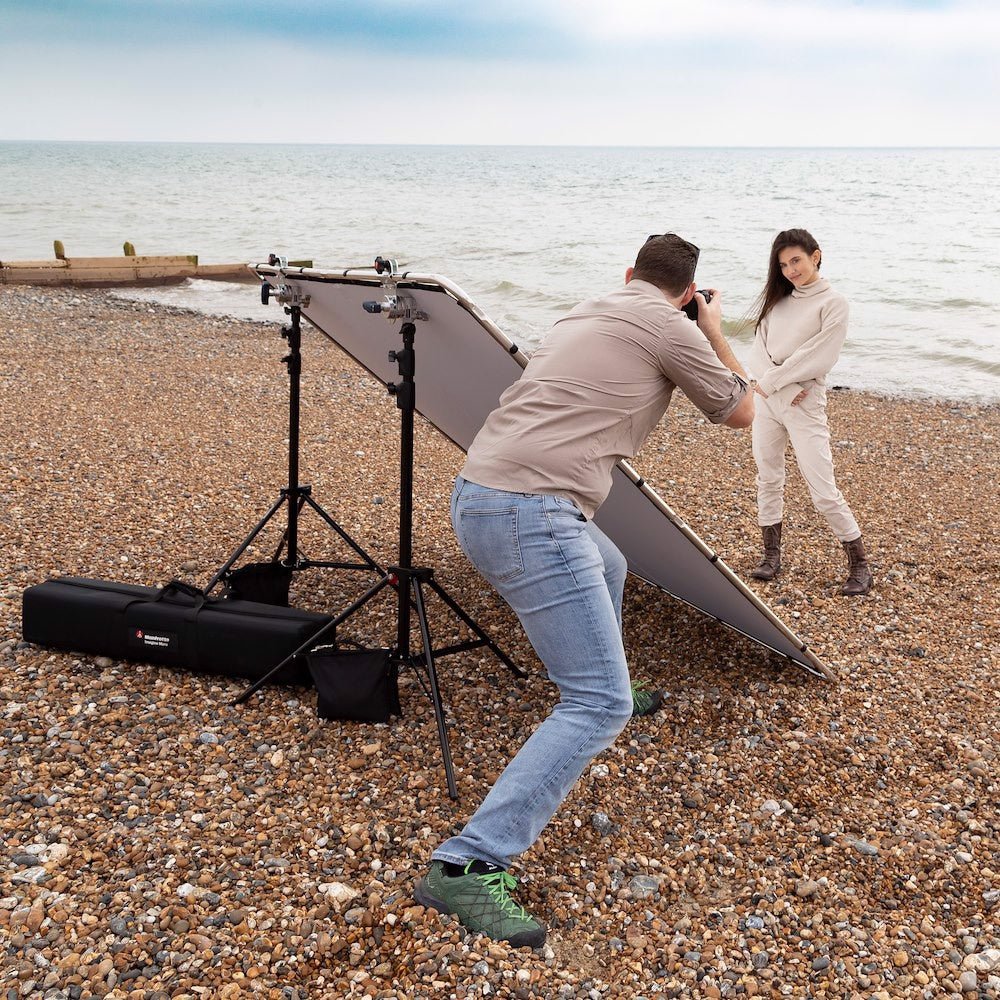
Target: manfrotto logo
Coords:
[(142, 638), (149, 639)]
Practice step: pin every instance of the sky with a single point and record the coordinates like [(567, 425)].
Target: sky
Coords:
[(531, 72)]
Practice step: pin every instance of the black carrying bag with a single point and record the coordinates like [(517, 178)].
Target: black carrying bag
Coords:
[(359, 685), (174, 626)]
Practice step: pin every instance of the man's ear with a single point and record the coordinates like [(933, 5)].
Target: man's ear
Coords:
[(689, 294), (629, 271)]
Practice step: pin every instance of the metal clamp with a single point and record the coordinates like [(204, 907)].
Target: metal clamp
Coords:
[(393, 305), (287, 295)]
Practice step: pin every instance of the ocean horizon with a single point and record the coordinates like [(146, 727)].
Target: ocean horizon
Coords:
[(529, 230)]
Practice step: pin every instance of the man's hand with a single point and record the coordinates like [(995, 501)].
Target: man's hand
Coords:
[(710, 314)]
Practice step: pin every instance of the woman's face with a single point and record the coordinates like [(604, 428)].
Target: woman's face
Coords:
[(799, 267)]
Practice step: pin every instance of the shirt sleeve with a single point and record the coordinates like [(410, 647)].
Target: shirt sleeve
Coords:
[(817, 355), (759, 361), (690, 363)]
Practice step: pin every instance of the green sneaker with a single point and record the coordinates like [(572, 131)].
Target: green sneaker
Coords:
[(482, 902), (645, 702)]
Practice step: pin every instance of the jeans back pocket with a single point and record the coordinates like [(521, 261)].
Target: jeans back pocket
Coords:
[(489, 538)]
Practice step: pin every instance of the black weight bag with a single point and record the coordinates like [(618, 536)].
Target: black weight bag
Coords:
[(263, 582), (358, 684), (175, 626)]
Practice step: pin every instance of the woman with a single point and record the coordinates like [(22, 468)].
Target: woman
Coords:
[(801, 327)]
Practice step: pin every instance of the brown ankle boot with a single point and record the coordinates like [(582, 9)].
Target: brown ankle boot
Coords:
[(859, 577), (771, 563)]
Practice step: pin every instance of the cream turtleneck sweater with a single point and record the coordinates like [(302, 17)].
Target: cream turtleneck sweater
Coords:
[(799, 340)]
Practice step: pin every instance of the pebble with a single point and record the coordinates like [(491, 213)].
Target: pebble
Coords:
[(969, 982), (643, 886), (983, 961), (32, 876), (602, 824), (805, 888), (863, 847), (338, 892)]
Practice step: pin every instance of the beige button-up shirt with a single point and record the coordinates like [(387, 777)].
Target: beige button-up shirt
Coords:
[(593, 392)]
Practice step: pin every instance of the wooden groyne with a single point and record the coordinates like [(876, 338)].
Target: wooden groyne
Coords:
[(129, 269)]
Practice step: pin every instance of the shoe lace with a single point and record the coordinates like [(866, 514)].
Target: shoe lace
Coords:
[(499, 885), (639, 693)]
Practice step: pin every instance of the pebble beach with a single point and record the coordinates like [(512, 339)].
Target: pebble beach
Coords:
[(764, 834)]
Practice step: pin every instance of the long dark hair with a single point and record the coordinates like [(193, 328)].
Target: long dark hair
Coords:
[(778, 286)]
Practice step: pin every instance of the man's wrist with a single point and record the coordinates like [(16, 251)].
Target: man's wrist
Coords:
[(720, 345)]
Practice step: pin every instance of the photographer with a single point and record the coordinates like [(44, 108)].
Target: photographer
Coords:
[(522, 506)]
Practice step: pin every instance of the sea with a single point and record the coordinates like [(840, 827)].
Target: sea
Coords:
[(910, 236)]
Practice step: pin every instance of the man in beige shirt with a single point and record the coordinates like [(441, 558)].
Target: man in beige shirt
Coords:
[(522, 507)]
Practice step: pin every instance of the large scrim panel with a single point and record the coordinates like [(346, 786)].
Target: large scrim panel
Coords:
[(464, 362)]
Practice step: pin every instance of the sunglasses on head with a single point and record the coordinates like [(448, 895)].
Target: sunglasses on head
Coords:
[(679, 239)]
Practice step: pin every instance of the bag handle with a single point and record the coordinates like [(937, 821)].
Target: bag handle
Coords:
[(339, 642), (180, 587)]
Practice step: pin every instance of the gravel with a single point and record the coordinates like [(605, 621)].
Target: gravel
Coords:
[(764, 833)]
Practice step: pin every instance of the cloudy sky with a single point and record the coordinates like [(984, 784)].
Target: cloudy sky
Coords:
[(588, 72)]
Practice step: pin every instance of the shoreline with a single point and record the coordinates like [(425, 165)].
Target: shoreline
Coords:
[(731, 328), (763, 834)]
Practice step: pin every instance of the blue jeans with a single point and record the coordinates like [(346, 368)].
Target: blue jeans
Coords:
[(564, 579)]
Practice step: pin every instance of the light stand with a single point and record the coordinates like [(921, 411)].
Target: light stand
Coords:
[(408, 580), (413, 579), (295, 495)]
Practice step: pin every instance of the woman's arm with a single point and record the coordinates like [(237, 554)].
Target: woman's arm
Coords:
[(817, 355)]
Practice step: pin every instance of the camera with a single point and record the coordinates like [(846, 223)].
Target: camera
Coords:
[(691, 309)]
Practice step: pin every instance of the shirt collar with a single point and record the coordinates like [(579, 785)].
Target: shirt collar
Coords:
[(647, 287)]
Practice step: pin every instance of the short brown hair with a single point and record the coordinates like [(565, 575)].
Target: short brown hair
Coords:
[(667, 261)]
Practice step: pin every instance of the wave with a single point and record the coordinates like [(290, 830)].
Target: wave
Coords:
[(954, 360), (923, 305), (966, 304), (521, 294)]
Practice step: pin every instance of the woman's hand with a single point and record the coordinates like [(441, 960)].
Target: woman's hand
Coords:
[(760, 392), (798, 399)]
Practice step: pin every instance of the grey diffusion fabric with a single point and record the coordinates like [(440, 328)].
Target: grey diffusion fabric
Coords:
[(463, 364)]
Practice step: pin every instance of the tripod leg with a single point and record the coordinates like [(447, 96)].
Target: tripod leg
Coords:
[(312, 640), (425, 636), (474, 626), (275, 507), (343, 534)]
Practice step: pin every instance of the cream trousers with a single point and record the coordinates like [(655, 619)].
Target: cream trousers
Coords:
[(775, 423)]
